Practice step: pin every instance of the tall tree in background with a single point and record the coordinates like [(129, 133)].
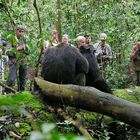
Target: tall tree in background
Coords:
[(58, 19), (118, 19)]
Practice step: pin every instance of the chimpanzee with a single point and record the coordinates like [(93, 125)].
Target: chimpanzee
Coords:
[(64, 64), (93, 77)]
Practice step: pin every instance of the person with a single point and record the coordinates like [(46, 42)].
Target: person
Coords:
[(135, 61), (88, 53), (102, 48), (81, 41), (136, 48), (49, 44), (66, 40), (3, 60), (103, 52), (93, 77), (88, 39), (17, 51), (52, 42)]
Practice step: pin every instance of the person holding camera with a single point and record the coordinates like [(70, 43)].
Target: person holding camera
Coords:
[(17, 51), (103, 51)]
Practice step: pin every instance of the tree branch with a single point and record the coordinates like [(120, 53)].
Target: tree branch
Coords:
[(7, 87), (76, 124)]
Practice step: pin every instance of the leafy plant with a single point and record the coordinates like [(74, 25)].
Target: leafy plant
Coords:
[(48, 133)]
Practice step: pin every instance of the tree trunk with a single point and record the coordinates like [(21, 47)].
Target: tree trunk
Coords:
[(91, 99), (40, 33), (58, 19)]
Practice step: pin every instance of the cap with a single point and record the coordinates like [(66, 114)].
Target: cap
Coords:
[(103, 36), (20, 27)]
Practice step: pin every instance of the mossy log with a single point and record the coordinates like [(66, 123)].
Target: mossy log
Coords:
[(91, 99)]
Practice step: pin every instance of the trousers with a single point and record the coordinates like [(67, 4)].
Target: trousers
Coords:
[(14, 71)]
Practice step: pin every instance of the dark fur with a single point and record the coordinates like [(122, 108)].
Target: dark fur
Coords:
[(93, 77), (64, 64)]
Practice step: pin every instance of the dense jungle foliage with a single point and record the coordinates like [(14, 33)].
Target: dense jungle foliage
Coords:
[(119, 19)]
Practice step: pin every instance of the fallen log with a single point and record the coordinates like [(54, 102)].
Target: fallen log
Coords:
[(91, 99)]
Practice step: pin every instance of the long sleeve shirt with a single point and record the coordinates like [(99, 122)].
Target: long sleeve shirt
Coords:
[(106, 50)]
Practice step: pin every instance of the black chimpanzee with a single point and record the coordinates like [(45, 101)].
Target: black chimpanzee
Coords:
[(64, 64), (93, 77)]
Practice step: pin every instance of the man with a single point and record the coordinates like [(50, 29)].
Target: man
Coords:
[(81, 41), (52, 42), (88, 39), (103, 52), (66, 40), (135, 61), (103, 49), (88, 53), (17, 51), (93, 77)]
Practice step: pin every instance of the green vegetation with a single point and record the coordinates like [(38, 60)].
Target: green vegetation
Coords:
[(119, 19), (20, 98), (25, 114), (131, 94)]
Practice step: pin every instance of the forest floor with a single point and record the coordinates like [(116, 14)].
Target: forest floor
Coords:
[(22, 113)]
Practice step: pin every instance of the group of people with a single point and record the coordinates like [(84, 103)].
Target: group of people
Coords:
[(17, 50), (88, 50), (101, 49)]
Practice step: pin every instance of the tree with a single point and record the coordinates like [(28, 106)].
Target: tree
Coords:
[(58, 19)]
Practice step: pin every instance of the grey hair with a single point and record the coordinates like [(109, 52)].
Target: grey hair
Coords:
[(80, 38)]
